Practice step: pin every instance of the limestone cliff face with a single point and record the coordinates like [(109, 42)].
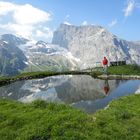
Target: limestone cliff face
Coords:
[(91, 43)]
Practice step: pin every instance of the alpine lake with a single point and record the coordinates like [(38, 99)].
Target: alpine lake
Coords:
[(80, 91)]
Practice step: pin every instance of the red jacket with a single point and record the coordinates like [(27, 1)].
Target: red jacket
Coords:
[(105, 61)]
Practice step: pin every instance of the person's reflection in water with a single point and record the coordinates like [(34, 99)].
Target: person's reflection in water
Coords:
[(106, 87)]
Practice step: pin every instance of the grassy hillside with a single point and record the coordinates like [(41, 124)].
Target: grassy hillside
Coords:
[(41, 121), (125, 70)]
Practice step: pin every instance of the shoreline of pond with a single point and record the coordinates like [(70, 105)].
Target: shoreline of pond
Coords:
[(34, 75)]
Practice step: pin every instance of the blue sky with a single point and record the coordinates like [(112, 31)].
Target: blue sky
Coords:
[(121, 17)]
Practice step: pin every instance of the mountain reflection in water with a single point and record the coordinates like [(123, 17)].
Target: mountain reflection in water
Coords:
[(80, 91)]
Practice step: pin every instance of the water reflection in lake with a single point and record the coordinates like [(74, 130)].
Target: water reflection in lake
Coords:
[(106, 87), (80, 91)]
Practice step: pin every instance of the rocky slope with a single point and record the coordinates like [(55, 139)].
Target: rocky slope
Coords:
[(12, 59), (45, 56), (91, 43)]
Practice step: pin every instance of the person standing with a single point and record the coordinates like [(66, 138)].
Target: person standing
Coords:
[(105, 64)]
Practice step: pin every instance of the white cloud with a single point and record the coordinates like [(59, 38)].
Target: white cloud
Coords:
[(26, 31), (45, 32), (129, 8), (23, 20), (84, 23), (29, 15), (113, 23), (6, 7)]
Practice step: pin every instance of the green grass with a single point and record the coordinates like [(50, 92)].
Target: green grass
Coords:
[(118, 70), (121, 120), (42, 121), (124, 70), (44, 68), (95, 73)]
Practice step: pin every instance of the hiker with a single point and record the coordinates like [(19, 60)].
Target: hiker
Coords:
[(105, 64)]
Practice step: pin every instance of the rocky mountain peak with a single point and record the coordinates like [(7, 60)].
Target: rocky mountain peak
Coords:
[(91, 43), (12, 39)]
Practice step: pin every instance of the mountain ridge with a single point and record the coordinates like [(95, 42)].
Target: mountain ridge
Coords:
[(72, 48), (91, 43)]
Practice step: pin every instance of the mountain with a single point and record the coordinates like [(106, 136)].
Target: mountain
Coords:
[(91, 43), (45, 56), (12, 59), (72, 48), (18, 54)]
